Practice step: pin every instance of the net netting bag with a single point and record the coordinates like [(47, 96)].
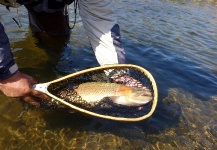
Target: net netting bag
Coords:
[(97, 83)]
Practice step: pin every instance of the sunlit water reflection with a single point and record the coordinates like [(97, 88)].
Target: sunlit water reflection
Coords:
[(175, 40)]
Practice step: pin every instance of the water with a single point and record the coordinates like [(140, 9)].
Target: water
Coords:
[(175, 40)]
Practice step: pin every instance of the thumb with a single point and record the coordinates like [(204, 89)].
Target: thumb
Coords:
[(40, 95), (31, 79)]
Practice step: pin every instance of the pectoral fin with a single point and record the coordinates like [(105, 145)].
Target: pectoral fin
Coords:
[(119, 100)]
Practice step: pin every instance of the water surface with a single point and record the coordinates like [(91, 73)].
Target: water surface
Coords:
[(175, 40)]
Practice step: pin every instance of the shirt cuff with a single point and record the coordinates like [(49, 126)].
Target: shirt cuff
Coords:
[(8, 73)]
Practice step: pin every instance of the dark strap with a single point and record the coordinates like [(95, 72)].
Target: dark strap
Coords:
[(52, 4)]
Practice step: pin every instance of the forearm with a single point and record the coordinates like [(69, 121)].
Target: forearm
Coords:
[(8, 66)]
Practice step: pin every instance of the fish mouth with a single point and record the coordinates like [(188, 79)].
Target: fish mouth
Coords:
[(142, 98), (142, 94)]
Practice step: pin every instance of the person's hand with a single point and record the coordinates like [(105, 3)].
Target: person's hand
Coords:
[(20, 85)]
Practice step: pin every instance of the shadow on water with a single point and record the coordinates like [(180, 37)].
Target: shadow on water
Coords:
[(168, 115), (173, 101), (185, 117), (173, 120), (76, 121), (86, 128), (39, 53), (52, 45)]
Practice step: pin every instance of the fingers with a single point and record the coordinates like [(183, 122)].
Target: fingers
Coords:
[(35, 93), (40, 95), (31, 100), (20, 85), (30, 79), (35, 97), (32, 95)]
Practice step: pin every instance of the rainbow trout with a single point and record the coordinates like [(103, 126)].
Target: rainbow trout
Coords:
[(118, 93)]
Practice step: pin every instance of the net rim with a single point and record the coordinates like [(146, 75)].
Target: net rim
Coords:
[(113, 66)]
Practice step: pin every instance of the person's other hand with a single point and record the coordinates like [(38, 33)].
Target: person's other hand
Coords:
[(20, 85)]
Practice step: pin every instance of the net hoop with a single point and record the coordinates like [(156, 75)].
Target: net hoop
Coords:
[(114, 66)]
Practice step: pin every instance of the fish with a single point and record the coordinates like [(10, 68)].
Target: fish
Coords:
[(118, 93)]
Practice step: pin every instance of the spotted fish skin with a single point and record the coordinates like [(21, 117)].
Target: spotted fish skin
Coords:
[(118, 93)]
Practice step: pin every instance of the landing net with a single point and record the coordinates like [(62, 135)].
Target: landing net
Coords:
[(63, 91)]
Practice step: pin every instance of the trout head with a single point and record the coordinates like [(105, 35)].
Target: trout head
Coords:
[(136, 97)]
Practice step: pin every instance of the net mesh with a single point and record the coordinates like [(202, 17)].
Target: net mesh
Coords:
[(65, 89)]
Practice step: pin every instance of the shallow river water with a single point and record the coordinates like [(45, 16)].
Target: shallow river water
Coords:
[(176, 40)]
